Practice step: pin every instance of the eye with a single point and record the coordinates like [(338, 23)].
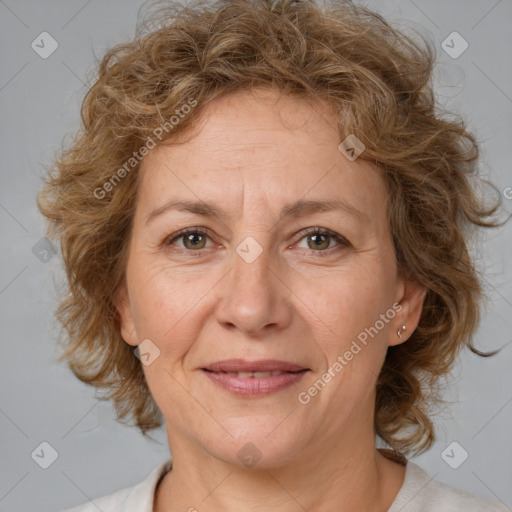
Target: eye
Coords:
[(194, 239), (320, 241)]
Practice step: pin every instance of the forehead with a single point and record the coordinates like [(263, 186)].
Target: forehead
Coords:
[(248, 120), (260, 147)]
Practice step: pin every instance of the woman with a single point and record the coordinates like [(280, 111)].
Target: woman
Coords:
[(263, 224)]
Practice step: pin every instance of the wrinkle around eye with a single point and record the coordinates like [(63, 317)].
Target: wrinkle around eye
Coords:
[(340, 242)]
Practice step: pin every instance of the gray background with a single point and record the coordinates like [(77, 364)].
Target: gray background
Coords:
[(42, 401)]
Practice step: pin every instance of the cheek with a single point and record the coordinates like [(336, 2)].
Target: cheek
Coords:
[(349, 300), (351, 336), (162, 301), (164, 308)]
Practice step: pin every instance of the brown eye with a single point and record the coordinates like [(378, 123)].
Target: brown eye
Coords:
[(318, 241), (321, 241), (194, 240)]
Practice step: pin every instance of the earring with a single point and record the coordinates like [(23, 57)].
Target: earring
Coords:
[(401, 330)]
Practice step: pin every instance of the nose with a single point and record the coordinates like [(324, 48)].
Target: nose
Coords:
[(254, 296)]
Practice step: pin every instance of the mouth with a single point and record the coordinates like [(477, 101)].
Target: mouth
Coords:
[(257, 375), (254, 378), (261, 366)]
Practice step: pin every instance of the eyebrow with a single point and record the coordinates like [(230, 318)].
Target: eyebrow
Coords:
[(300, 208)]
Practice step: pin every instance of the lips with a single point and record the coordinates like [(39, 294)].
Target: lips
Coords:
[(263, 365), (254, 378), (258, 375)]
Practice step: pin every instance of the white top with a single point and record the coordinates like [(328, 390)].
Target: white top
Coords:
[(419, 493)]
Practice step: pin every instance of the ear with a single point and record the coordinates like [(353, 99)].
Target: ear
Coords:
[(410, 296), (126, 323)]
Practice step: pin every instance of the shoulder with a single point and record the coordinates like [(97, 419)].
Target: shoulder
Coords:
[(422, 493), (136, 498)]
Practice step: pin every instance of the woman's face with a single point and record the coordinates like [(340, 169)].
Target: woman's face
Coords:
[(256, 289)]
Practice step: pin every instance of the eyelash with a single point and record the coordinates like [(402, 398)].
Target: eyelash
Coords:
[(342, 242)]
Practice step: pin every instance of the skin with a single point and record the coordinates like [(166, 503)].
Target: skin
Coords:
[(256, 152)]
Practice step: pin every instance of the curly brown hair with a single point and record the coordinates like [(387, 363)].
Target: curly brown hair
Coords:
[(378, 81)]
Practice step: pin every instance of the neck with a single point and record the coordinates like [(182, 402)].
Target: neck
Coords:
[(348, 476)]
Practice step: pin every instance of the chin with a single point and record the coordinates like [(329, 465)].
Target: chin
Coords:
[(258, 443)]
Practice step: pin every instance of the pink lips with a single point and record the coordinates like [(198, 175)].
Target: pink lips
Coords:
[(269, 375)]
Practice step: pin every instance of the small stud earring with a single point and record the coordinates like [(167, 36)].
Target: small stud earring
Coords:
[(401, 330)]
